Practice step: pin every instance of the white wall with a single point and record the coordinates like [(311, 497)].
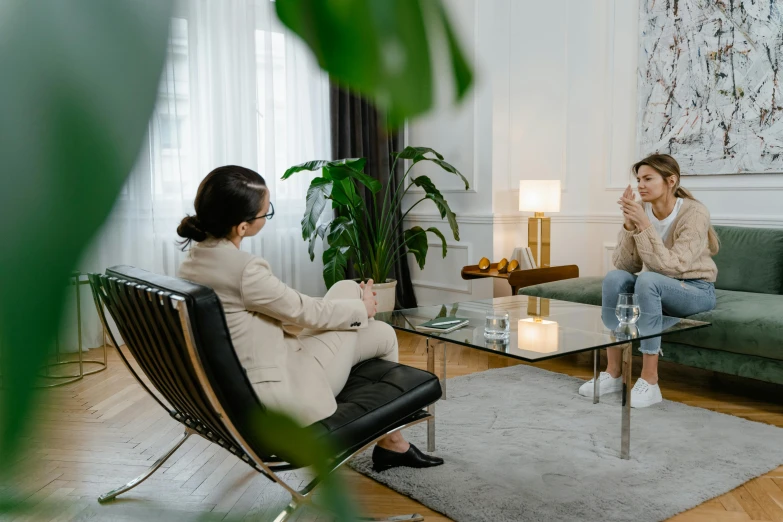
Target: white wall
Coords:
[(556, 100)]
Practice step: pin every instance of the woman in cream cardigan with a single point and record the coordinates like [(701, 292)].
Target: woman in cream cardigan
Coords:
[(297, 350), (668, 236)]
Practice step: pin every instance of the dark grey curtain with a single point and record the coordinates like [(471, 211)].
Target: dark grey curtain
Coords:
[(358, 131)]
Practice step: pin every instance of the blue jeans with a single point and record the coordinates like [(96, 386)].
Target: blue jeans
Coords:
[(658, 295)]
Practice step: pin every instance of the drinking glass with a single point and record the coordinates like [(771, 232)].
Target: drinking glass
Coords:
[(627, 310), (497, 326)]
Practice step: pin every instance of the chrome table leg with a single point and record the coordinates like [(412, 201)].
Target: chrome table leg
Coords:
[(596, 383), (443, 378), (431, 407), (625, 432)]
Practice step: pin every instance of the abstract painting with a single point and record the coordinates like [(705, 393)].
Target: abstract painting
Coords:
[(709, 85)]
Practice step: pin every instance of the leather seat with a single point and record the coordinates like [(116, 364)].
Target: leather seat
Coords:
[(376, 397)]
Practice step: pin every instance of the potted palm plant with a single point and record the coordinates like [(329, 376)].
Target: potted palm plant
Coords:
[(368, 237)]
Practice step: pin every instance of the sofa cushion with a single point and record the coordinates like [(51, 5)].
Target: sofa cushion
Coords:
[(750, 259), (742, 322), (585, 290)]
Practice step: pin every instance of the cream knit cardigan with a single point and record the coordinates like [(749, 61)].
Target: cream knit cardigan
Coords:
[(684, 255)]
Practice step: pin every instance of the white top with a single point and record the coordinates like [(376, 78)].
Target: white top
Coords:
[(663, 226)]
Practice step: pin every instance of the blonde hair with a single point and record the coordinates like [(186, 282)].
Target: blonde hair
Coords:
[(668, 167)]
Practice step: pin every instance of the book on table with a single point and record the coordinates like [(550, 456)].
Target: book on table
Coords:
[(442, 324)]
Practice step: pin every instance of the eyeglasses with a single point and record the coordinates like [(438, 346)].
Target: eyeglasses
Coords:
[(268, 215)]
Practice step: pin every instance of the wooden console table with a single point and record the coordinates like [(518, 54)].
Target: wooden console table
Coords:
[(522, 278)]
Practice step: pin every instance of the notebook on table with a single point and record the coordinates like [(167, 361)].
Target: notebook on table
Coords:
[(443, 324)]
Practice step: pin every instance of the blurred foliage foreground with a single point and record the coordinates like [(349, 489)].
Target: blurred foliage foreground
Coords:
[(78, 85)]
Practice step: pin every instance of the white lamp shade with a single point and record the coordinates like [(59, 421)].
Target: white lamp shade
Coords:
[(537, 335), (539, 195)]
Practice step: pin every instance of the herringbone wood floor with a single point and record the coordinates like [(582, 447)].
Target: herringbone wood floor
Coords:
[(96, 434)]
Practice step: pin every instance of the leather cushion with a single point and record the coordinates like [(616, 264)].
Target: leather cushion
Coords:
[(378, 395)]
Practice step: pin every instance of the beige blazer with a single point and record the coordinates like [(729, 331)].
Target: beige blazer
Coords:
[(265, 316)]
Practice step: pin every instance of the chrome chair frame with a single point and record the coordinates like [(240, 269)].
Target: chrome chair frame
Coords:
[(226, 434)]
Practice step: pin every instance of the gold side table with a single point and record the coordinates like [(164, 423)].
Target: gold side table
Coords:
[(77, 280)]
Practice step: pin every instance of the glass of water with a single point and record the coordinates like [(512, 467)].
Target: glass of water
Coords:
[(627, 310), (497, 326)]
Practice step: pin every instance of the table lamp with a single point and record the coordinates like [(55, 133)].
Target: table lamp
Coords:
[(539, 196), (538, 335)]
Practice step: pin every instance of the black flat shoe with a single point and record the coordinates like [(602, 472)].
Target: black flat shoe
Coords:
[(383, 459)]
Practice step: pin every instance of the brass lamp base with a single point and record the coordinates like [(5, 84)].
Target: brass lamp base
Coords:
[(538, 307), (539, 230)]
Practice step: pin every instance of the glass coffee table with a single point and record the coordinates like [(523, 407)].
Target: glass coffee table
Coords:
[(540, 329)]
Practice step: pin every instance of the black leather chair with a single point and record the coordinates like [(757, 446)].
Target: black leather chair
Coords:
[(176, 332)]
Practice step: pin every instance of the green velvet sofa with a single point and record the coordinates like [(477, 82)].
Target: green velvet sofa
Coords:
[(746, 336)]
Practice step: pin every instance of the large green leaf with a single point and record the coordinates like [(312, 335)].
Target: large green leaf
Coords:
[(449, 168), (432, 192), (463, 74), (433, 230), (286, 437), (379, 48), (351, 163), (319, 232), (317, 193), (445, 211), (335, 263), (417, 154), (344, 195), (79, 82), (340, 231), (416, 242), (342, 172)]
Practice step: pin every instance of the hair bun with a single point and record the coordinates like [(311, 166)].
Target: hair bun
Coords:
[(191, 228)]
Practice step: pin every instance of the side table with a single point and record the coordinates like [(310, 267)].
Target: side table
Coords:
[(522, 278), (78, 281)]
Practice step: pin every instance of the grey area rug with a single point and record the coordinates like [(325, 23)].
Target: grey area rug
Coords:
[(520, 444)]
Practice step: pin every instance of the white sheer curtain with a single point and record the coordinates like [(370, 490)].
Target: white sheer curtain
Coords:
[(239, 89)]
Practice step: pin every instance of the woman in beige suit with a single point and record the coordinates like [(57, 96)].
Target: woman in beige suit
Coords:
[(297, 350)]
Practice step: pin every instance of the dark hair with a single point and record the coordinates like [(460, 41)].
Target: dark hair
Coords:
[(667, 167), (226, 197)]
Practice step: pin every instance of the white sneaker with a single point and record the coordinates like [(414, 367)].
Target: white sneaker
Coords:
[(645, 394), (607, 384)]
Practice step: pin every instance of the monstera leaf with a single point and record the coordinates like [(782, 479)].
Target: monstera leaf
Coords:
[(380, 48)]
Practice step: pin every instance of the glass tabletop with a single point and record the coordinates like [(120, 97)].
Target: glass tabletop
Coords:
[(539, 328)]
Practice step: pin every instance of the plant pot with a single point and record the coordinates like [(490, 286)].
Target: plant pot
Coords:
[(385, 295)]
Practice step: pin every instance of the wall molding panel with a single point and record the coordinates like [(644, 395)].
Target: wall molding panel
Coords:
[(463, 287), (608, 252)]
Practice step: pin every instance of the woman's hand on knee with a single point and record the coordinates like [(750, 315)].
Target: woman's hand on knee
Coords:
[(368, 297)]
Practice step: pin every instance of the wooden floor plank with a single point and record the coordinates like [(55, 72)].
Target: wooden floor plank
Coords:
[(99, 433)]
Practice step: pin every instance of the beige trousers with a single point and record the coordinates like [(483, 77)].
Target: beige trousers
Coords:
[(339, 351)]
